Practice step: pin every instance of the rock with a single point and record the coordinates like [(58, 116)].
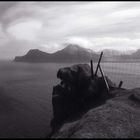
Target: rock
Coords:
[(76, 93), (135, 96), (117, 118), (77, 74)]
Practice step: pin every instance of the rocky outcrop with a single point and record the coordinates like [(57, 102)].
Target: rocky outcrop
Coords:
[(117, 118), (77, 93), (83, 108)]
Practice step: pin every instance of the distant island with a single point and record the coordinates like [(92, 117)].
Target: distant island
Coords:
[(75, 53), (72, 53)]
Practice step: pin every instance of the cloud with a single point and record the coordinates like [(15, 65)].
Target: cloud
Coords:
[(127, 13), (25, 29), (52, 47), (97, 44), (4, 37), (94, 25)]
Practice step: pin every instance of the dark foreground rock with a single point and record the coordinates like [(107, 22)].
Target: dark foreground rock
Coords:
[(83, 107), (77, 92), (119, 117)]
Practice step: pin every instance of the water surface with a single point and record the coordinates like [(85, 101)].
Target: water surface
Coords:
[(25, 103)]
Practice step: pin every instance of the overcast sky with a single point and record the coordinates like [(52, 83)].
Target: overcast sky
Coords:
[(49, 25)]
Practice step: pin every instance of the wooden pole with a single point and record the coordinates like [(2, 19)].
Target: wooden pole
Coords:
[(106, 83), (92, 72), (120, 84), (98, 63)]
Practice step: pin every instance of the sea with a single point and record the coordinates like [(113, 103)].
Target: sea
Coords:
[(26, 94)]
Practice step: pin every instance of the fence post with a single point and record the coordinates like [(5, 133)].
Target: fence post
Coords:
[(106, 83), (92, 72), (98, 63), (120, 84)]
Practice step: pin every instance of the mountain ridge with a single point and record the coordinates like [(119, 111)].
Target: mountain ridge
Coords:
[(76, 53), (71, 53)]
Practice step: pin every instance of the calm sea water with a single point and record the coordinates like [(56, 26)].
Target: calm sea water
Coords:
[(25, 104)]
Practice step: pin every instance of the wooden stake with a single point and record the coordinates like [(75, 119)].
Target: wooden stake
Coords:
[(106, 83), (98, 63), (92, 72), (120, 84)]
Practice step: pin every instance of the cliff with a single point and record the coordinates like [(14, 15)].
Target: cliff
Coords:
[(84, 108)]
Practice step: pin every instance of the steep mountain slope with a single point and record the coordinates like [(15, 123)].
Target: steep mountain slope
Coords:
[(34, 55)]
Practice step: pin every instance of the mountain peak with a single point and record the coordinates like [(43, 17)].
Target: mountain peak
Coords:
[(33, 51), (72, 47)]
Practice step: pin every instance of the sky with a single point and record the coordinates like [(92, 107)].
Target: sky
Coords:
[(49, 26)]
